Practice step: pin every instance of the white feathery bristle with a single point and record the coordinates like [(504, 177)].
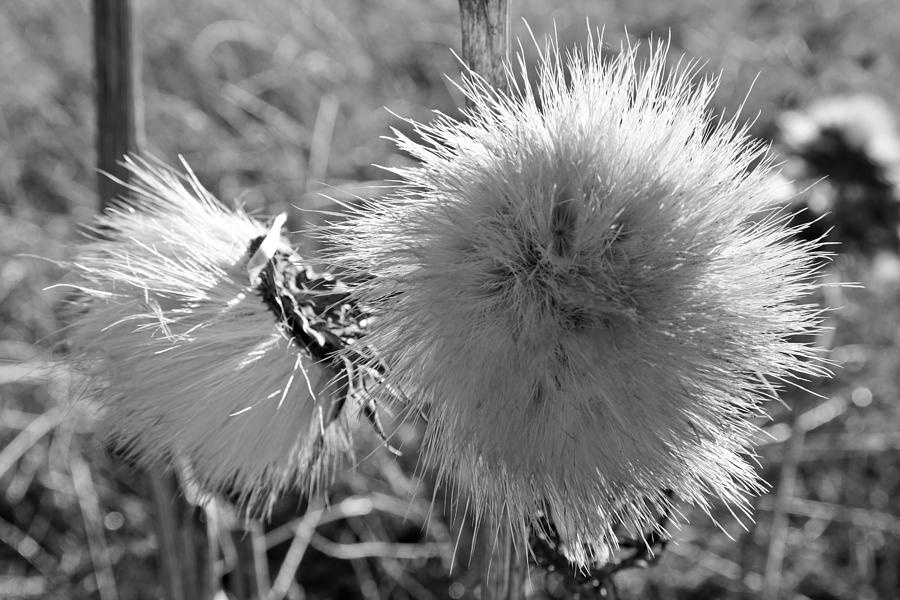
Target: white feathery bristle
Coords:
[(577, 281), (186, 360)]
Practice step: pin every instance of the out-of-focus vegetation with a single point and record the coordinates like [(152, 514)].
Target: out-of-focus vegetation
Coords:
[(276, 100)]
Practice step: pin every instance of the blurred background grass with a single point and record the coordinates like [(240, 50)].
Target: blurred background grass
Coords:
[(274, 101)]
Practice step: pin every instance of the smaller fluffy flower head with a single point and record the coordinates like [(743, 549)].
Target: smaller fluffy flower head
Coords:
[(208, 342), (588, 283)]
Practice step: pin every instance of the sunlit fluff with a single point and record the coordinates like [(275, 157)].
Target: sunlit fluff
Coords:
[(187, 362), (588, 283)]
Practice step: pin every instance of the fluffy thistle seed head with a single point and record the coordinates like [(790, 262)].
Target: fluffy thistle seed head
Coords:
[(193, 353), (577, 280)]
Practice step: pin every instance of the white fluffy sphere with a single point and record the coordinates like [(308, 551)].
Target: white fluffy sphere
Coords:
[(588, 283)]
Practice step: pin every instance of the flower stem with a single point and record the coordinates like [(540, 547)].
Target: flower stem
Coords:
[(502, 565), (485, 44)]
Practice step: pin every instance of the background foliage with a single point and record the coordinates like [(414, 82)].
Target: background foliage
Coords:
[(276, 100)]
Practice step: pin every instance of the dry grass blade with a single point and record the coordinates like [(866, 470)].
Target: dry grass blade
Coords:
[(38, 428), (368, 587), (714, 563), (351, 551), (303, 533), (89, 503), (162, 491), (858, 517), (36, 371), (28, 548), (260, 562), (354, 506), (320, 147), (413, 588), (16, 419), (778, 537)]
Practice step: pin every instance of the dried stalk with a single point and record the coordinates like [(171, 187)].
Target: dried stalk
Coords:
[(485, 45), (183, 554)]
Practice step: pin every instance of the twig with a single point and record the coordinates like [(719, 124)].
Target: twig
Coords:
[(38, 428), (303, 533), (351, 551)]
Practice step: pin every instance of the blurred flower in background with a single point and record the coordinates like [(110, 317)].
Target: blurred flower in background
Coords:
[(847, 150)]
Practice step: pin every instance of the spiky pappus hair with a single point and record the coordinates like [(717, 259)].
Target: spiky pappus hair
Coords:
[(209, 342), (588, 282)]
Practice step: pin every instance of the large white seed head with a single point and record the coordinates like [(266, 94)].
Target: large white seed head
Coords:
[(186, 360), (588, 283)]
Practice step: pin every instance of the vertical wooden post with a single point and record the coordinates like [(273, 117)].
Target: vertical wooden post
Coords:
[(184, 558), (485, 37), (485, 46), (114, 73)]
